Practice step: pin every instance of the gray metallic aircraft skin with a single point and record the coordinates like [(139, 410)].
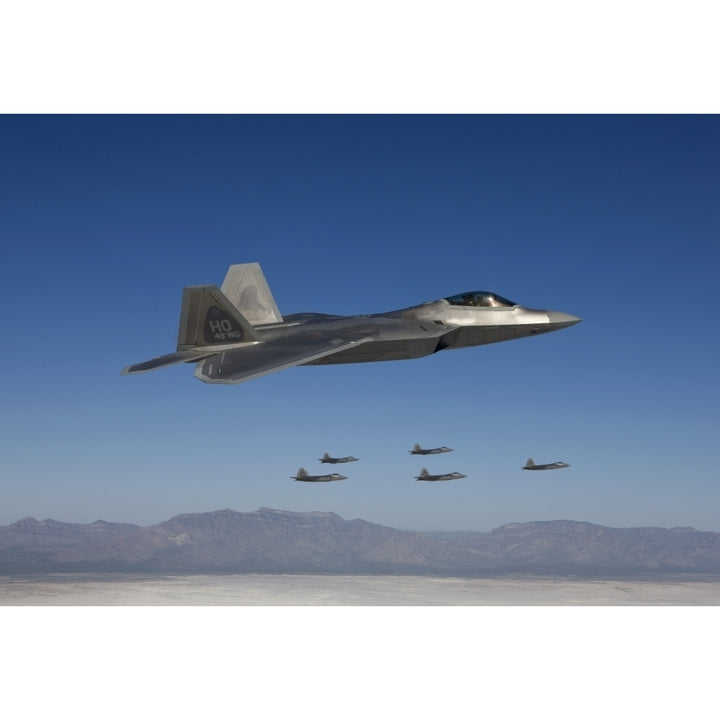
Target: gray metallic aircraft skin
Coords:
[(302, 476), (327, 459), (238, 339), (417, 450), (530, 465), (425, 475)]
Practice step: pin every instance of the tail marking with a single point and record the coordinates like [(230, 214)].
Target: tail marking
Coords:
[(208, 318)]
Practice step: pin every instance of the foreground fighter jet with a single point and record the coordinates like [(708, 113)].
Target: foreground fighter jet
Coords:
[(417, 450), (530, 465), (327, 459), (425, 475), (303, 476), (236, 333)]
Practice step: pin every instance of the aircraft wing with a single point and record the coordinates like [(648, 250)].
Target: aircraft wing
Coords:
[(236, 366)]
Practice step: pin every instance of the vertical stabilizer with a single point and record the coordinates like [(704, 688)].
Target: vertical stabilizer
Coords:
[(246, 288), (208, 318)]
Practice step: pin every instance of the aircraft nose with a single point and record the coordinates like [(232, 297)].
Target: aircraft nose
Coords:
[(561, 320)]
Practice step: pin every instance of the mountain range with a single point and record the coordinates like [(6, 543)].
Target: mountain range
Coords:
[(279, 541)]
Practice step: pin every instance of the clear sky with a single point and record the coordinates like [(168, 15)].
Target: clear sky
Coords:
[(613, 218)]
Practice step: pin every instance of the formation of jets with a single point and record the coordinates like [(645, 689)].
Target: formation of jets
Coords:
[(236, 332), (303, 476)]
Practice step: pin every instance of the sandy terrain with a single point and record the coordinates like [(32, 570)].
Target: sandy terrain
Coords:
[(303, 590)]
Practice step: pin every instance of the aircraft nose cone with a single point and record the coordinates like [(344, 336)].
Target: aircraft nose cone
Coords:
[(561, 320)]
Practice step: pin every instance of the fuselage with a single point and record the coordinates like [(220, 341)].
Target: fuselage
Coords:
[(319, 478), (429, 451), (419, 330), (547, 466), (334, 461), (436, 478)]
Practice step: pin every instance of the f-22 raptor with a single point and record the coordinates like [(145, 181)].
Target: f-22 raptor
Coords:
[(530, 465), (236, 333), (425, 475), (417, 450), (302, 476), (327, 459)]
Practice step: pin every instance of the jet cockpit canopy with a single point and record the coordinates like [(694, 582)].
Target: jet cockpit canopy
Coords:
[(480, 298)]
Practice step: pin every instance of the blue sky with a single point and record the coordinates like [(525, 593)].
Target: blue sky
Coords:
[(612, 218)]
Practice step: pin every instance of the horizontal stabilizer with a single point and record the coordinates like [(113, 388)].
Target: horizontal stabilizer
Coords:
[(175, 358)]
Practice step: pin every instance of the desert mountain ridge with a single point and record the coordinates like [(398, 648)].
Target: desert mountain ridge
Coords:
[(280, 541)]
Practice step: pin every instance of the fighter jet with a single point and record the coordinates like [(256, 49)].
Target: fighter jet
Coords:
[(417, 450), (425, 475), (530, 465), (327, 459), (236, 333), (303, 476)]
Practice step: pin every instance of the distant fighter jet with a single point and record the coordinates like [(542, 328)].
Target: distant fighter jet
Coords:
[(303, 476), (530, 465), (236, 333), (417, 450), (425, 475), (327, 459)]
